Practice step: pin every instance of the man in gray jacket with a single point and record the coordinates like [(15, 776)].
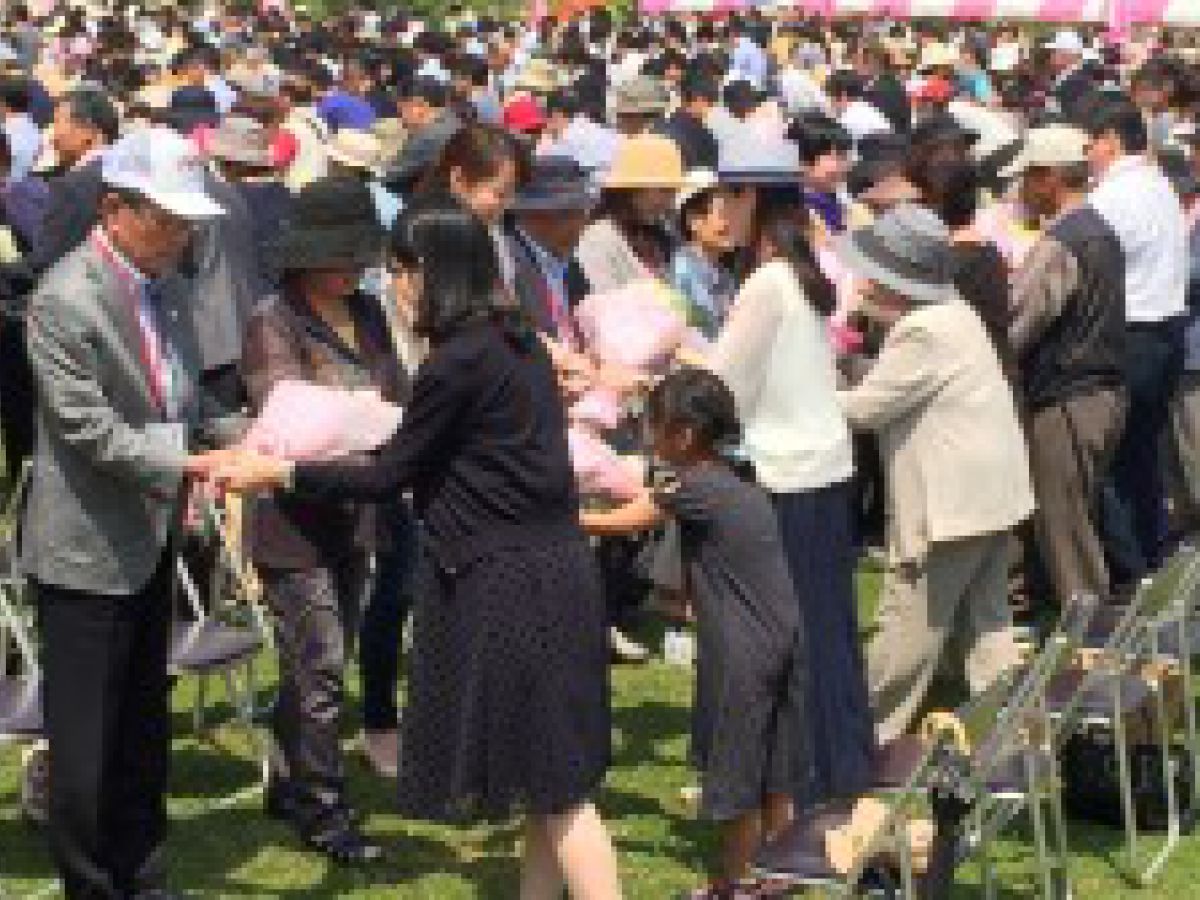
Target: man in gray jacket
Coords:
[(115, 371)]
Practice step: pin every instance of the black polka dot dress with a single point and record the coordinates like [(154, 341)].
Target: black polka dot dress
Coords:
[(508, 701)]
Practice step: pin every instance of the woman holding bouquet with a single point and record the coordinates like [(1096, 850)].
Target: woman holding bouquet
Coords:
[(312, 554), (508, 695)]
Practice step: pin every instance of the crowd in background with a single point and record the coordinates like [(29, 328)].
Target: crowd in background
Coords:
[(923, 292)]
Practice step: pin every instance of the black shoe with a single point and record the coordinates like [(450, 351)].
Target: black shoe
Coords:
[(346, 846), (279, 802)]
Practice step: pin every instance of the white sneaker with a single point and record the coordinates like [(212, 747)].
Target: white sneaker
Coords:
[(624, 649)]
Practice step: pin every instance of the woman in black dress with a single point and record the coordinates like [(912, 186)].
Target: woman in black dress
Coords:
[(508, 694)]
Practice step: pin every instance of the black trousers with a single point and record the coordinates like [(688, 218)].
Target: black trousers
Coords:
[(1135, 510), (316, 617), (382, 627), (106, 710)]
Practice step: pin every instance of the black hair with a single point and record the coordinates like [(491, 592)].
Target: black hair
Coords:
[(845, 83), (1121, 118), (14, 94), (92, 108), (698, 399), (699, 84), (785, 222), (951, 190), (460, 270), (817, 135), (699, 204)]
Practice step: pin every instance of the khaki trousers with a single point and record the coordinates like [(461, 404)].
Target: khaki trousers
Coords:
[(1185, 454), (1071, 448), (958, 595)]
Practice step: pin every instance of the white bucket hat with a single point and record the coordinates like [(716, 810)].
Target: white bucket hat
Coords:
[(1049, 146), (165, 168)]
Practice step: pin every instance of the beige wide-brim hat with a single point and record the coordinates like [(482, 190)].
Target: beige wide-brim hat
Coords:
[(539, 76), (356, 150), (646, 161), (937, 55)]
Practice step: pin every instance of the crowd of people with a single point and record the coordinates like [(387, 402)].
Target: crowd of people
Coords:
[(920, 292)]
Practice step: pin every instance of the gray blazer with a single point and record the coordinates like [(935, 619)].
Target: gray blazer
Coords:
[(107, 470)]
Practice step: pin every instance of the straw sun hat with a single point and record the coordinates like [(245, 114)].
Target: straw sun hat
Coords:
[(646, 161)]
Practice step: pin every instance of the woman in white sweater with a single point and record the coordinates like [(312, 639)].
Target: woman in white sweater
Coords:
[(774, 354)]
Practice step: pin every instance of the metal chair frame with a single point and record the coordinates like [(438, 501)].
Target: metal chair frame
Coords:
[(1000, 721), (237, 673), (1162, 602)]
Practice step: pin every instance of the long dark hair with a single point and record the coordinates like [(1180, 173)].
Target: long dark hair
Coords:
[(786, 224), (460, 269), (649, 241)]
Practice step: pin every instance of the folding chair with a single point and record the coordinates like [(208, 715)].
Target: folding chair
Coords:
[(1128, 670), (20, 673), (221, 639), (961, 768)]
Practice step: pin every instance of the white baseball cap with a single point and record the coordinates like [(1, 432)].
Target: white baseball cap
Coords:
[(1066, 41), (1049, 146), (165, 168)]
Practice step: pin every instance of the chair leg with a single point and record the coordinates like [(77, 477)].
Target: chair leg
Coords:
[(1059, 818), (987, 871), (1168, 768), (1128, 809), (1038, 821)]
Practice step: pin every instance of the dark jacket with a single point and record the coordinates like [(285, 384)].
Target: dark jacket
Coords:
[(71, 212), (483, 447), (529, 283), (287, 341), (1082, 350), (888, 95), (696, 142)]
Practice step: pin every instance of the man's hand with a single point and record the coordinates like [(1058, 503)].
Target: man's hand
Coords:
[(201, 465), (246, 472)]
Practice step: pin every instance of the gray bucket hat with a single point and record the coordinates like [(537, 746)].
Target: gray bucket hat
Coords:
[(641, 96), (908, 250)]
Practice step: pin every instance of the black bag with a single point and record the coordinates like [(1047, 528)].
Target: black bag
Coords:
[(1091, 784)]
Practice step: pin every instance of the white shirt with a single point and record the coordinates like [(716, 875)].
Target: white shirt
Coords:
[(860, 118), (1139, 204), (800, 91), (774, 354)]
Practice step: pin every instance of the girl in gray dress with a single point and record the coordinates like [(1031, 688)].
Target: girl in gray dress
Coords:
[(749, 737)]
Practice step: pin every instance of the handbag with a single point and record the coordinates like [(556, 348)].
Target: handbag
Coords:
[(1091, 782)]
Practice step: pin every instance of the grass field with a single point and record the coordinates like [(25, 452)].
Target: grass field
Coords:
[(237, 852)]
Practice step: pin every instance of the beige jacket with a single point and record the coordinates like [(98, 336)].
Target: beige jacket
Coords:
[(953, 453)]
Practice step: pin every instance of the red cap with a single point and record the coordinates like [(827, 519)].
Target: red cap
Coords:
[(934, 90), (523, 114)]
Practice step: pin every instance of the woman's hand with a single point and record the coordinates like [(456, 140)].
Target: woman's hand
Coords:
[(247, 472)]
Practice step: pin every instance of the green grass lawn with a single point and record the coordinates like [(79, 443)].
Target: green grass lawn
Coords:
[(237, 852)]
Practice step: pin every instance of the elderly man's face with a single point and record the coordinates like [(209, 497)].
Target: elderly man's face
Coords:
[(151, 238)]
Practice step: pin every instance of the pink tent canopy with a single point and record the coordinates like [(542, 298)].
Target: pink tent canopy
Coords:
[(1117, 13)]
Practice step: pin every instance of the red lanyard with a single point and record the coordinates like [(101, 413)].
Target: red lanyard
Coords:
[(149, 341)]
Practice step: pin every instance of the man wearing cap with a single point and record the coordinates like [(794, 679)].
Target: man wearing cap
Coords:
[(956, 470), (116, 383), (1072, 80), (1068, 334), (550, 213), (638, 103)]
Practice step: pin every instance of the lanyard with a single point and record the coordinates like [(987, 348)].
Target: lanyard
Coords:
[(150, 343)]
